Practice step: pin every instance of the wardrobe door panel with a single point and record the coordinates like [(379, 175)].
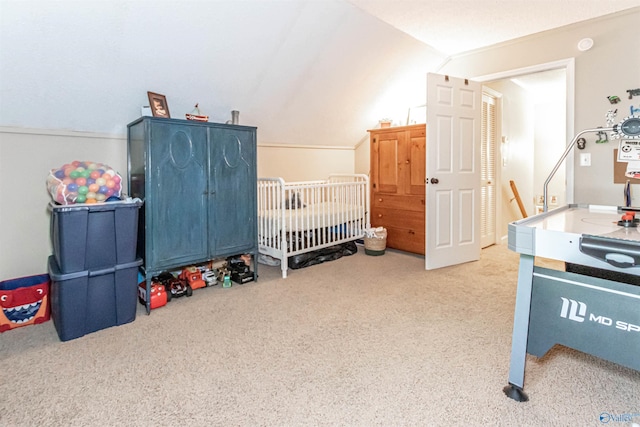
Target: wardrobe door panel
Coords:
[(234, 184), (178, 192)]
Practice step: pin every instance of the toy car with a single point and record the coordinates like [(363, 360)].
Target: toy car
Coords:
[(239, 270), (209, 276), (159, 295), (193, 277), (175, 286)]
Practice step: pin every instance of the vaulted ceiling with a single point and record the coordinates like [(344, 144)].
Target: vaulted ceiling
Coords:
[(308, 72), (452, 27)]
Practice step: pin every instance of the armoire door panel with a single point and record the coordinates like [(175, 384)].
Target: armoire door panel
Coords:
[(234, 207), (178, 168), (417, 159), (388, 157)]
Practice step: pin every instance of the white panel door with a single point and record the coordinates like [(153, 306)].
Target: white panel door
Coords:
[(454, 109)]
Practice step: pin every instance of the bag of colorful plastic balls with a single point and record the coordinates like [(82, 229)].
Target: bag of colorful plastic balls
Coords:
[(83, 182)]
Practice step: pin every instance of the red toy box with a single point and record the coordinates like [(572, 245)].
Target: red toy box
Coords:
[(24, 301)]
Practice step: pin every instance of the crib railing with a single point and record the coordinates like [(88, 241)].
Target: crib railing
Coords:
[(296, 217)]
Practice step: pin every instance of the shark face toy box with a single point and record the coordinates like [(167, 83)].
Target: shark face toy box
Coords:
[(24, 301)]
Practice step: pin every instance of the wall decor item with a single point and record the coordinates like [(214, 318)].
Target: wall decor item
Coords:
[(158, 103), (625, 170), (613, 99)]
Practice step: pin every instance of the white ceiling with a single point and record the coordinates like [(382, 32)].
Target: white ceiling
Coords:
[(483, 23), (305, 72)]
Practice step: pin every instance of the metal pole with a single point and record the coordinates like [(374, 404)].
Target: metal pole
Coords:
[(545, 203)]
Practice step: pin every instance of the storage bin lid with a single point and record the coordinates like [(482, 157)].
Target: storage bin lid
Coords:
[(56, 275), (95, 207)]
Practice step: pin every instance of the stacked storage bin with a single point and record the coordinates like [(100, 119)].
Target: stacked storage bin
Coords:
[(93, 268)]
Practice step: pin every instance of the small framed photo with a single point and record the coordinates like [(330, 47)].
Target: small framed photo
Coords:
[(158, 104)]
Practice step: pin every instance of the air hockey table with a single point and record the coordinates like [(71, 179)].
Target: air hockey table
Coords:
[(587, 312)]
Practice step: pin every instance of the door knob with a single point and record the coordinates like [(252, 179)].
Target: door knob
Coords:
[(434, 180)]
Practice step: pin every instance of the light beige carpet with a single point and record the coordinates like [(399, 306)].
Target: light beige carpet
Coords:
[(361, 341)]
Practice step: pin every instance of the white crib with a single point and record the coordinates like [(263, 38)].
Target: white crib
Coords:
[(299, 217)]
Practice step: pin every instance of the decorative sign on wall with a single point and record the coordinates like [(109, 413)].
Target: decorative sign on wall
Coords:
[(629, 150), (621, 171)]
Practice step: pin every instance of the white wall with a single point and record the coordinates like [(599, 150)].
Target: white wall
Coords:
[(26, 157), (363, 156), (300, 163), (609, 68), (549, 143)]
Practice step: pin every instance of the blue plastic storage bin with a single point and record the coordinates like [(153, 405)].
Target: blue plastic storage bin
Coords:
[(90, 300), (94, 236)]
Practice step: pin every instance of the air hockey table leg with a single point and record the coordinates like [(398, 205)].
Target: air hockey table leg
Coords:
[(515, 389)]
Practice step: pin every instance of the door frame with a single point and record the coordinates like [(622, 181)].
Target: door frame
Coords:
[(569, 66)]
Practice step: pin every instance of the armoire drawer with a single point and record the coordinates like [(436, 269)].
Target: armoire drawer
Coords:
[(404, 239), (394, 201), (397, 218)]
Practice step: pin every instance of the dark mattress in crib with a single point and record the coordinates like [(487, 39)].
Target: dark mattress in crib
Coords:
[(319, 256)]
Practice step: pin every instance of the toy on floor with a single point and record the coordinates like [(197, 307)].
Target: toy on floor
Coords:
[(193, 276), (175, 286), (223, 275), (209, 277), (159, 295), (239, 268)]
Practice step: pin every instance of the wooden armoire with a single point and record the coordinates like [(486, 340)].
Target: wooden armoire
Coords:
[(398, 165)]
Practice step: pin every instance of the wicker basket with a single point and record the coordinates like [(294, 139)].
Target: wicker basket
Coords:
[(376, 245)]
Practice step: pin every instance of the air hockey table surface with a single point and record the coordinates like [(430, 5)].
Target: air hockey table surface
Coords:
[(580, 234), (584, 312)]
